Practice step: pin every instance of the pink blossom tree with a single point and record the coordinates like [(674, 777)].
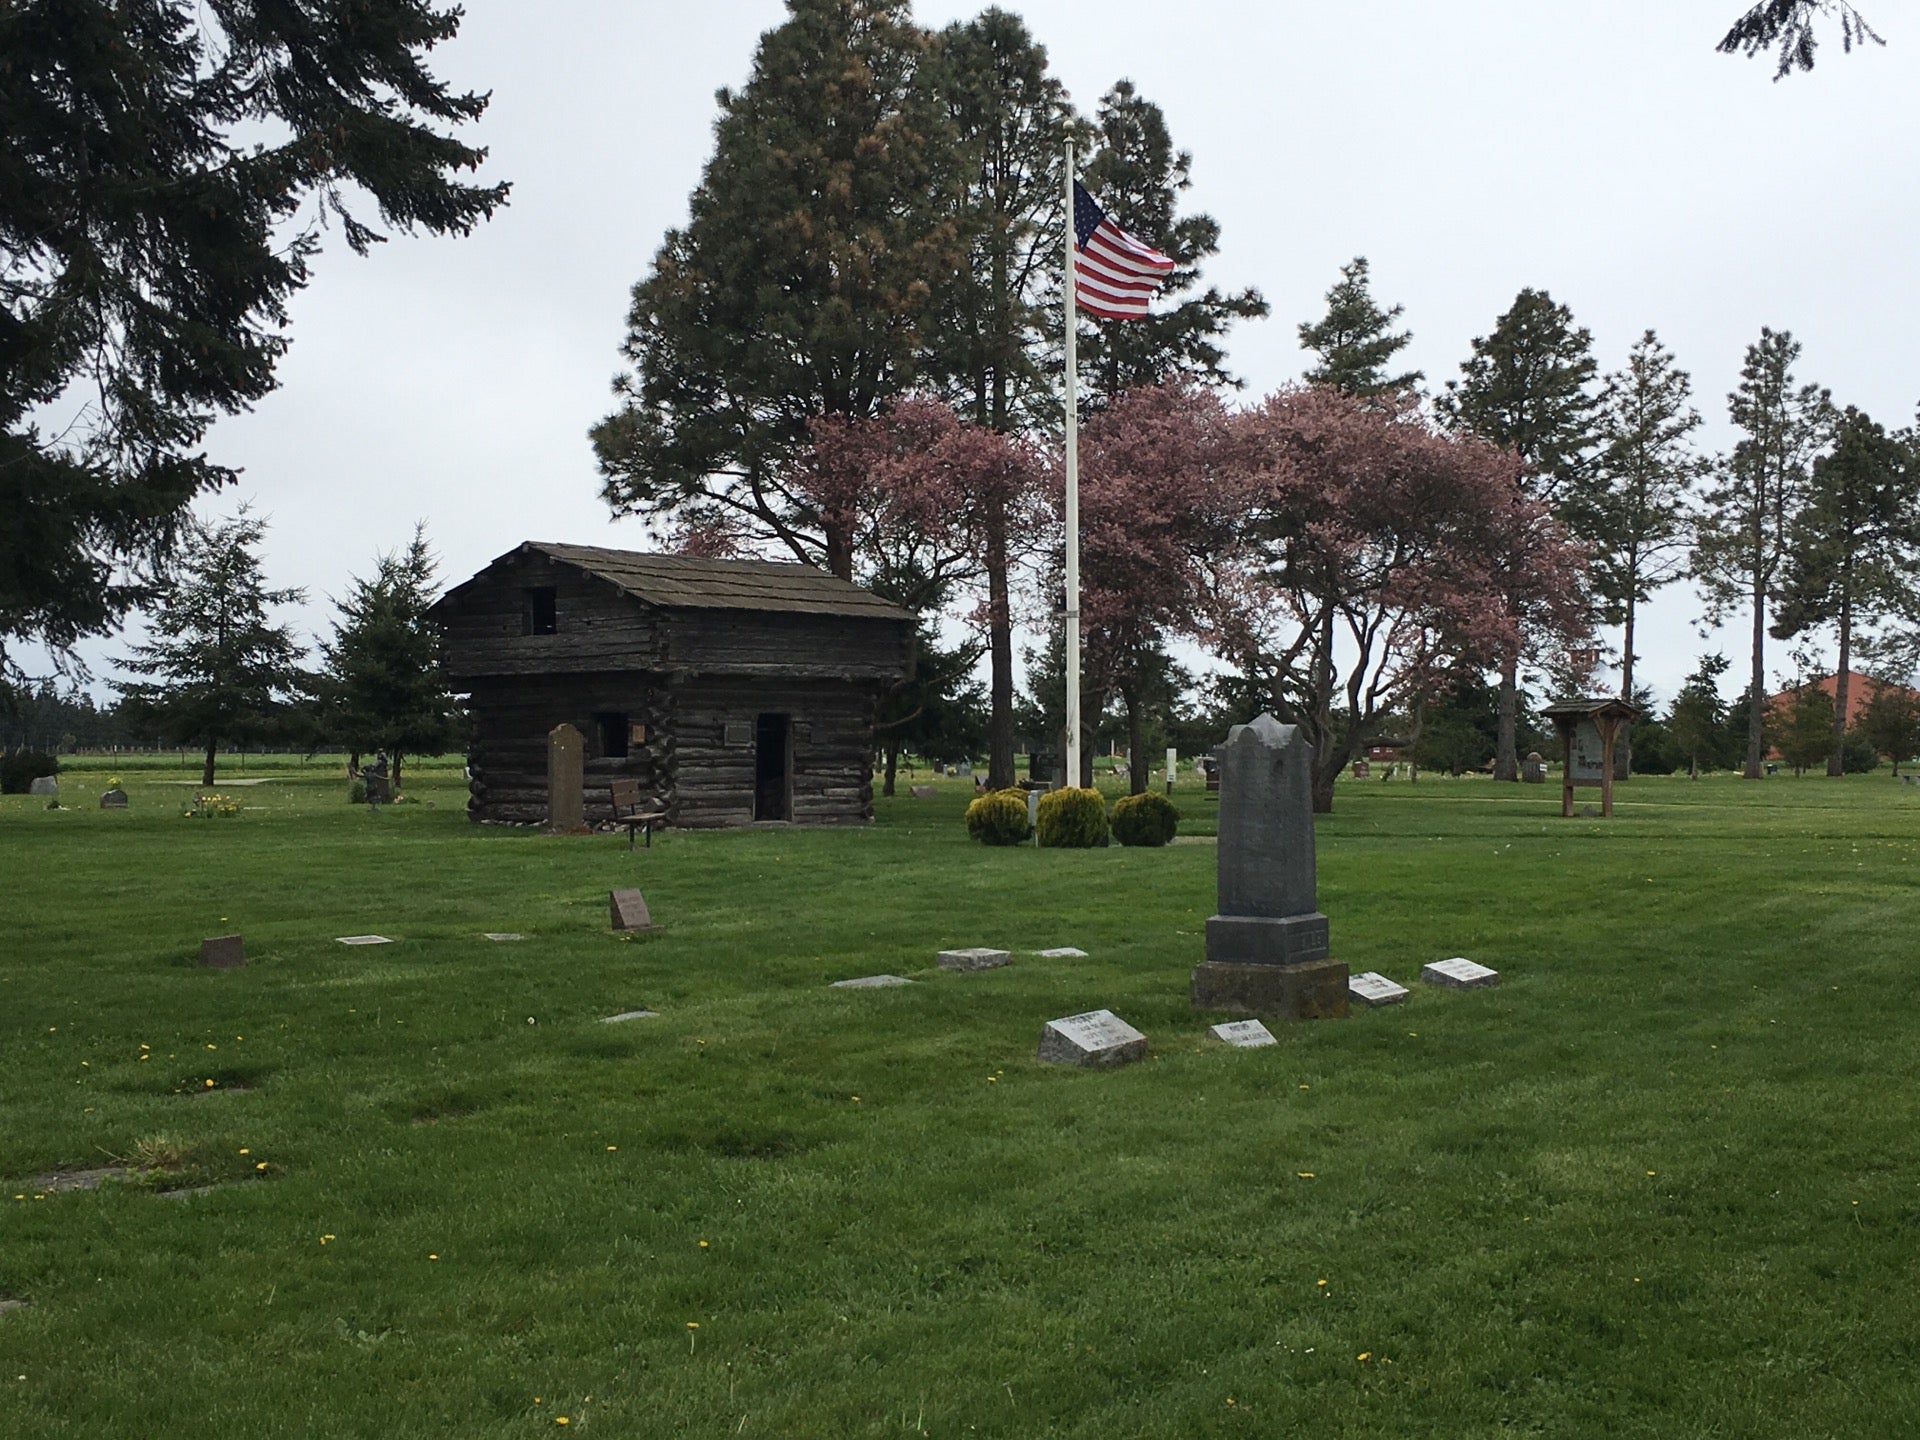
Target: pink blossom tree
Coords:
[(1383, 552)]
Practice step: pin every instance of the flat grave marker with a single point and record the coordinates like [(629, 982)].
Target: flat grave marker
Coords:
[(223, 952), (979, 958), (870, 982), (1243, 1034), (365, 940), (1459, 974), (1097, 1038), (631, 1015), (1062, 952), (629, 908), (500, 935), (1373, 988), (922, 792)]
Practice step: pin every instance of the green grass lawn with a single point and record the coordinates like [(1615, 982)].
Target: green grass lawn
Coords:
[(1663, 1181)]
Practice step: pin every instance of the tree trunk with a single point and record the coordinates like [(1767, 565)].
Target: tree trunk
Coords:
[(206, 770), (839, 552), (1837, 760), (893, 766), (1757, 698), (395, 791), (999, 649), (1506, 759), (1136, 742), (1626, 678)]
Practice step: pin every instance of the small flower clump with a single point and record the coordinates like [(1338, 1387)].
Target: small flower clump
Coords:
[(206, 807)]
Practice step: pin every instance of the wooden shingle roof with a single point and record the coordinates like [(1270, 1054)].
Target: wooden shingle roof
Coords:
[(686, 582)]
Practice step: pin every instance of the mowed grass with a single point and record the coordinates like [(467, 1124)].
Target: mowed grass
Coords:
[(1664, 1180)]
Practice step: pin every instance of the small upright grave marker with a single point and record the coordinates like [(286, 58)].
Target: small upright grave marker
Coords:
[(1459, 974), (44, 785), (975, 959), (1375, 989), (629, 909), (223, 952), (1098, 1038), (1243, 1034), (566, 786), (114, 799)]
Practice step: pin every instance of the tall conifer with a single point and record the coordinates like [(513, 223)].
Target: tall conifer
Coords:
[(1355, 339)]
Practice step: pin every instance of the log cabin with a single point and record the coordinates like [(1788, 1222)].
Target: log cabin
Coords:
[(733, 691)]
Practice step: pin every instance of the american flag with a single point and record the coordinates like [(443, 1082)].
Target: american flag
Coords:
[(1114, 275)]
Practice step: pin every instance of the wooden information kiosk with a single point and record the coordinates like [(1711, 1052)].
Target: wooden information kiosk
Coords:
[(1588, 729)]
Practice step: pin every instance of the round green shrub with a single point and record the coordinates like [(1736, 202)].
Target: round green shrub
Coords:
[(1073, 819), (999, 817), (20, 769), (1144, 819)]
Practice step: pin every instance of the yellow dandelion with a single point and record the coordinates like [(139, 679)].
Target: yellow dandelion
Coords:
[(703, 1244), (146, 1057), (1306, 1087), (856, 1099), (560, 1420), (209, 1084), (612, 1148), (261, 1166), (433, 1257), (212, 1046), (245, 1151), (693, 1324), (1304, 1174), (146, 1047), (1320, 1282), (1364, 1356)]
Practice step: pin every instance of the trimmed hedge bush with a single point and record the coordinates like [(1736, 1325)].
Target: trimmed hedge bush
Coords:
[(1144, 819), (19, 770), (1073, 819), (999, 817)]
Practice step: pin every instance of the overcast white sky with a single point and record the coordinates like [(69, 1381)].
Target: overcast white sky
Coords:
[(1602, 152)]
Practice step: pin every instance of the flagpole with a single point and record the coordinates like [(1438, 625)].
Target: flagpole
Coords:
[(1073, 500)]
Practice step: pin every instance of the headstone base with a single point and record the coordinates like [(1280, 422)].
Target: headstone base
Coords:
[(975, 959), (1316, 990), (1267, 940)]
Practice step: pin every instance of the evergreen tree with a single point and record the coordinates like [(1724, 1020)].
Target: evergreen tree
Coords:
[(1527, 388), (383, 688), (1743, 536), (169, 166), (1801, 726), (1890, 723), (222, 671), (1851, 545), (1789, 24), (1697, 721), (807, 281), (1012, 120), (1137, 177), (1634, 512), (1355, 340)]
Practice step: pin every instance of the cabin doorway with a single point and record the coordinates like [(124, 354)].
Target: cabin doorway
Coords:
[(773, 767)]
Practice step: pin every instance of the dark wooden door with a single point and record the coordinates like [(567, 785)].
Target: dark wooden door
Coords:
[(773, 767)]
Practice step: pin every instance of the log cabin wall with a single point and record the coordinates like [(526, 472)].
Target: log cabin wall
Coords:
[(681, 690)]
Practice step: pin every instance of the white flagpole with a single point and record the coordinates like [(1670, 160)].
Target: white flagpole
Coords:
[(1073, 503)]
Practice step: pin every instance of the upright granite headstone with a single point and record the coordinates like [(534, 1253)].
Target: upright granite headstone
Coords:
[(114, 799), (1267, 948), (223, 952), (43, 785), (1097, 1039), (566, 792)]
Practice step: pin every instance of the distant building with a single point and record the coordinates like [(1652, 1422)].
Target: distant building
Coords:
[(732, 690), (1860, 692)]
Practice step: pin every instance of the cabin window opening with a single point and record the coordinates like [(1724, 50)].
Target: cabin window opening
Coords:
[(539, 615), (614, 735)]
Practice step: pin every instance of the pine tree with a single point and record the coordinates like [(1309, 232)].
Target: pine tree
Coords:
[(1697, 721), (383, 688), (1789, 24), (222, 671), (807, 281), (168, 169), (1890, 723), (1355, 340), (1633, 511), (1013, 120), (1527, 388), (1852, 544), (1743, 535), (1137, 177)]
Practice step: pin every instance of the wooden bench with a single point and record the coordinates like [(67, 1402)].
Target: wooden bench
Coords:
[(635, 810)]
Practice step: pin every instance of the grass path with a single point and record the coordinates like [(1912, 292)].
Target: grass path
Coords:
[(1663, 1181)]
